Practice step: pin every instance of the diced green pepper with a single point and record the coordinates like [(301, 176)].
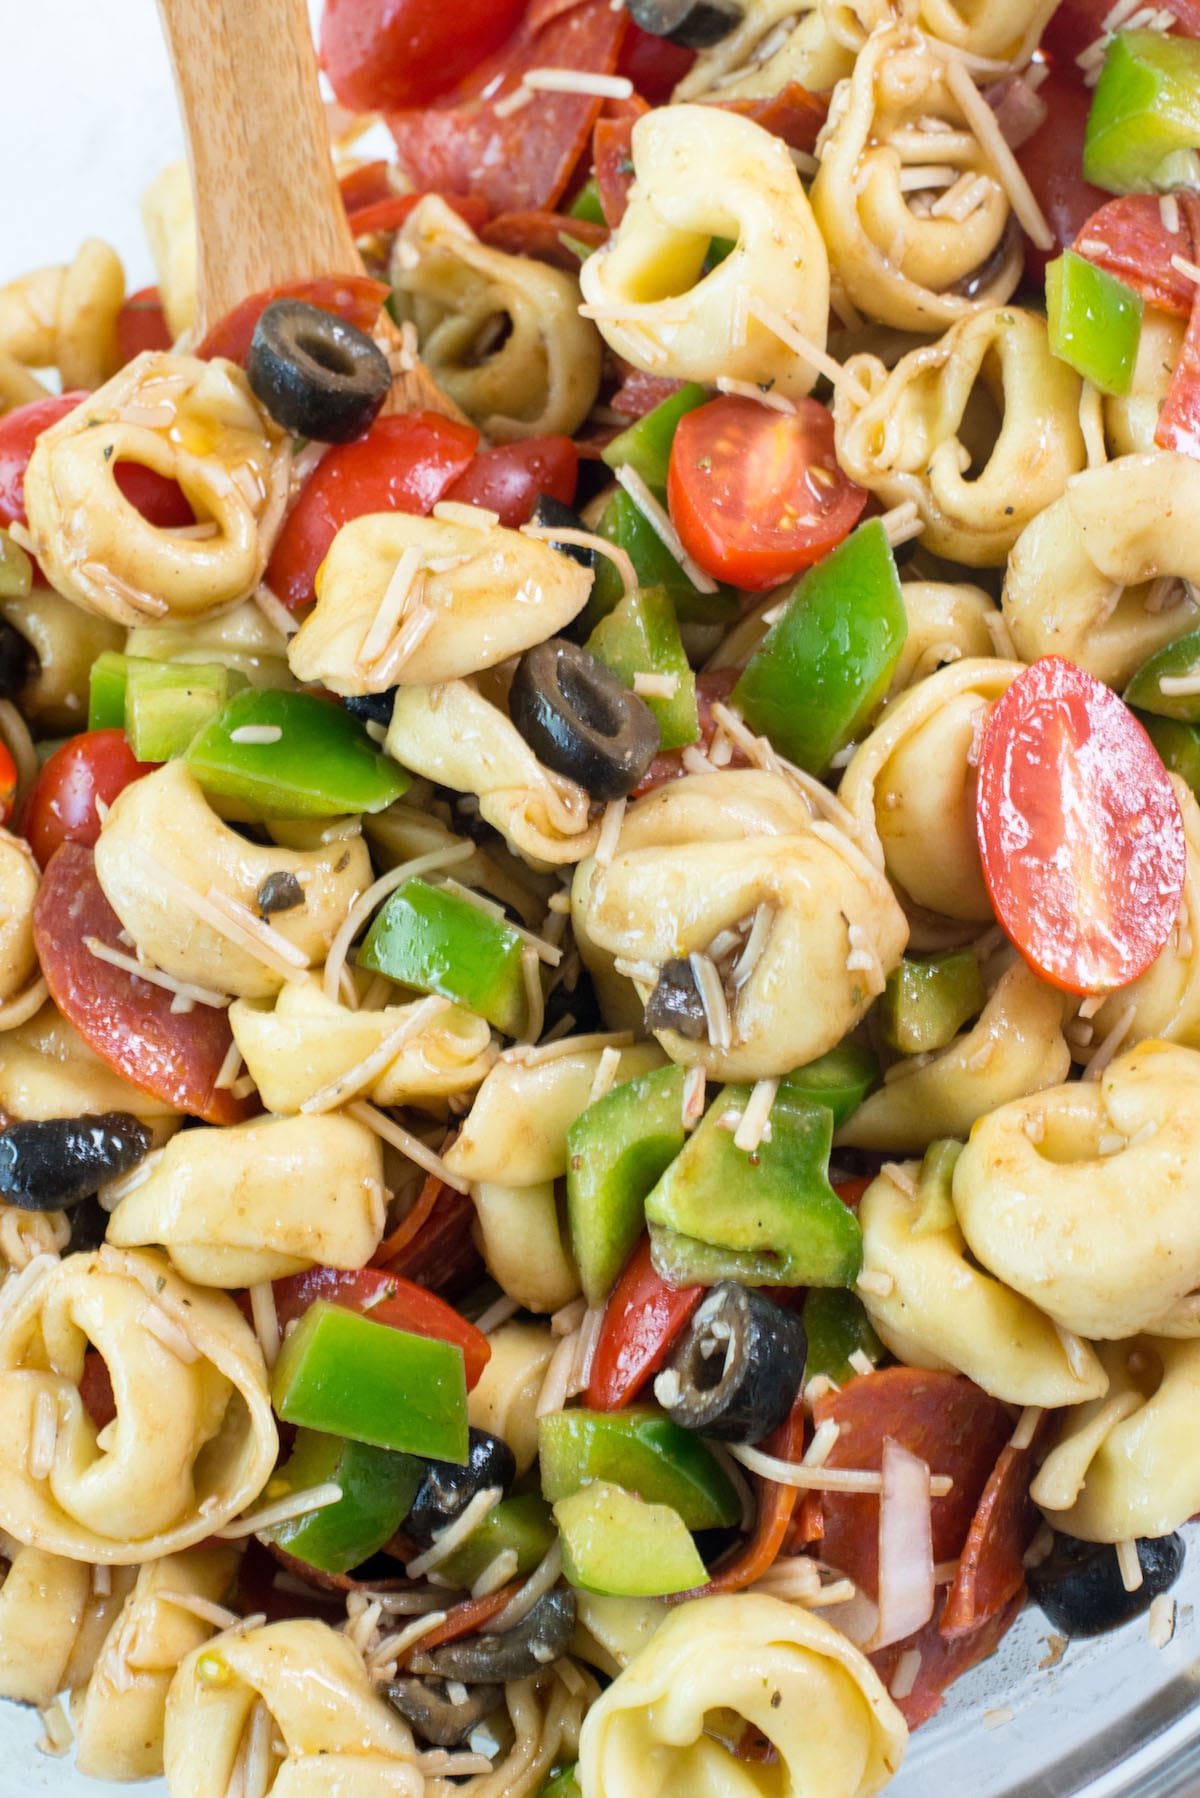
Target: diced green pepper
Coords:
[(378, 1488), (643, 1450), (624, 524), (719, 248), (587, 203), (16, 570), (428, 938), (1178, 745), (925, 1003), (824, 666), (348, 1376), (522, 1524), (837, 1326), (769, 1218), (614, 1543), (562, 1783), (1174, 662), (291, 755), (106, 689), (168, 704), (1094, 321), (839, 1080), (935, 1205), (646, 445), (641, 636), (617, 1150), (1145, 112)]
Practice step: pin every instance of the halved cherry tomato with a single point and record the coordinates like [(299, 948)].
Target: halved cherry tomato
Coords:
[(356, 298), (1052, 162), (1079, 830), (757, 495), (385, 1299), (98, 764), (642, 1319), (129, 1023), (1077, 24), (384, 53), (141, 324), (509, 478), (8, 784), (653, 64), (160, 500), (402, 464)]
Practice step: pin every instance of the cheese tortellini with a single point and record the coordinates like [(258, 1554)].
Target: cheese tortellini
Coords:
[(47, 1071), (169, 219), (66, 641), (947, 621), (502, 334), (474, 597), (776, 42), (1130, 419), (18, 890), (701, 173), (193, 1439), (197, 423), (1086, 1198), (43, 1602), (980, 430), (829, 925), (66, 318), (788, 1673), (504, 1401)]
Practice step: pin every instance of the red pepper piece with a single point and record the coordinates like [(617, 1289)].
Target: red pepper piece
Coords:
[(991, 1570), (385, 1298), (642, 1319)]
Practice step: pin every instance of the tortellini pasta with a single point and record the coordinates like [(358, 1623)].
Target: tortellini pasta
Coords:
[(193, 1439), (24, 1235), (66, 641), (306, 1043), (1016, 1047), (197, 423), (916, 221), (242, 639), (258, 1201), (473, 598), (504, 1400), (502, 334), (775, 42), (163, 853), (1006, 29), (169, 218), (453, 735), (701, 173), (524, 1242), (18, 890), (788, 1673), (307, 1686), (980, 430), (66, 318), (830, 927), (43, 1601), (1086, 1198), (1086, 578), (947, 621), (1125, 1466), (943, 1312), (47, 1070), (1131, 419)]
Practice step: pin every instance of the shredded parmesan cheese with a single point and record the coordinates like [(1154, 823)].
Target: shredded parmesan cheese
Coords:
[(1161, 1620), (1130, 1565), (266, 1320), (880, 1284), (395, 598), (605, 1076), (983, 123), (156, 1323), (610, 831), (406, 1142), (201, 995), (530, 1057), (499, 1570), (821, 1446), (749, 390), (256, 734), (694, 1084), (297, 1504), (905, 1676), (793, 338), (712, 997), (476, 518), (1027, 1427), (544, 1576), (43, 1439), (657, 518), (754, 1120), (600, 546), (447, 1540), (354, 1079), (820, 1479), (655, 686), (578, 81)]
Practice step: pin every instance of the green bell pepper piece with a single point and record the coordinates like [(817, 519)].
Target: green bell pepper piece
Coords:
[(615, 1544), (767, 1219), (824, 666), (1145, 113), (378, 1488), (16, 570), (643, 1450), (321, 764), (587, 203), (106, 689), (624, 524), (1178, 745), (641, 636), (837, 1326), (646, 445), (348, 1376), (839, 1080), (562, 1783), (617, 1150), (935, 1203), (925, 1003), (1094, 321), (1174, 660), (428, 938), (168, 704), (522, 1524)]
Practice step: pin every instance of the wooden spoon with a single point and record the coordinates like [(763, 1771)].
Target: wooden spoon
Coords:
[(268, 206)]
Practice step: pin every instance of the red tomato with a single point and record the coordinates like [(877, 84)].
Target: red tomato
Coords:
[(141, 324), (356, 298), (402, 464), (1076, 25), (384, 53), (757, 495), (641, 1320), (441, 1254), (1079, 830), (653, 64), (176, 1055), (8, 784), (99, 764), (156, 498), (508, 479), (386, 1299), (1052, 162), (390, 213)]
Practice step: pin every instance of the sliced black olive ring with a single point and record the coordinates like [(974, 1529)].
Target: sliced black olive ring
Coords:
[(696, 24), (317, 375), (1080, 1588), (541, 1637), (54, 1163), (675, 1003), (442, 1718), (446, 1490), (17, 660), (580, 721), (738, 1369)]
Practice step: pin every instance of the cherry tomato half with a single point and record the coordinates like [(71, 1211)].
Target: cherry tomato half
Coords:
[(8, 784), (385, 1299), (356, 298), (757, 495), (141, 324), (380, 54), (509, 478), (1079, 830), (1052, 163), (641, 1320), (99, 764)]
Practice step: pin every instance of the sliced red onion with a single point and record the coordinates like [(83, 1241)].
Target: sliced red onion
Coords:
[(906, 1588), (1018, 108)]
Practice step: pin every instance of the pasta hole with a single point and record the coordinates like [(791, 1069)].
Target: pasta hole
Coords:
[(160, 500), (673, 266), (981, 421), (96, 1389), (489, 340)]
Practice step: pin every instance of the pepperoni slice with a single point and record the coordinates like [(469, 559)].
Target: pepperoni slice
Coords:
[(991, 1570), (356, 298), (612, 159), (942, 1661), (793, 114), (176, 1055), (1129, 239), (544, 236)]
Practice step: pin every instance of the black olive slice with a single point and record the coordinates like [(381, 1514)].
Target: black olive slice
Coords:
[(697, 24), (1079, 1584), (316, 374), (675, 1003), (543, 1636), (17, 660), (89, 1225), (433, 1713), (738, 1369), (580, 721), (372, 708), (54, 1163), (447, 1490), (552, 514), (280, 891)]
